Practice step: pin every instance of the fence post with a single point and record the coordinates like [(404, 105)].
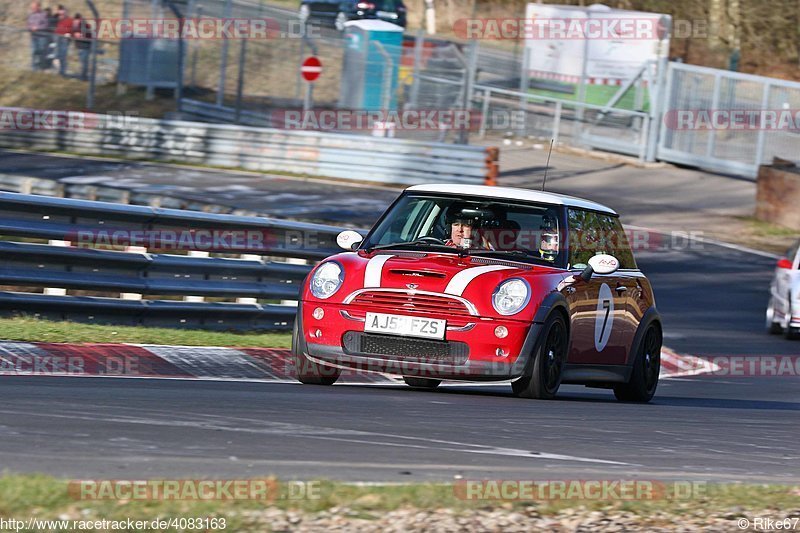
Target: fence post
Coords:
[(487, 95), (92, 54), (223, 64), (656, 108), (761, 132), (469, 83), (417, 69)]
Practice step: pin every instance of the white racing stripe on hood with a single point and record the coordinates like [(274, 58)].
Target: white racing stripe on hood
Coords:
[(460, 281), (374, 269)]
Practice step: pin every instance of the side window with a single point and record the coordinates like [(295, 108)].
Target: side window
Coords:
[(592, 233), (617, 241), (583, 237)]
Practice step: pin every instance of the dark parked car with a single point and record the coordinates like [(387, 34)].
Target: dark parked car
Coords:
[(340, 11)]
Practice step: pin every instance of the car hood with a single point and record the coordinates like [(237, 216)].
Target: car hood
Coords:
[(470, 277)]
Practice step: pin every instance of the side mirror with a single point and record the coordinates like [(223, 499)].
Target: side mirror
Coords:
[(349, 239), (600, 264)]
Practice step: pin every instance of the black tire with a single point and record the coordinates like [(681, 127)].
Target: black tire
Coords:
[(542, 376), (791, 333), (422, 383), (309, 372), (774, 328), (646, 368)]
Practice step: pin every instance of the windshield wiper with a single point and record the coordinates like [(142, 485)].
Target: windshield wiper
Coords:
[(417, 242), (519, 253)]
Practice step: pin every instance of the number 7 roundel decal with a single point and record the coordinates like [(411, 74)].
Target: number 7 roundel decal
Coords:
[(605, 318)]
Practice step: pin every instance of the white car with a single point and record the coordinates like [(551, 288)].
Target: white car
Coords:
[(783, 311)]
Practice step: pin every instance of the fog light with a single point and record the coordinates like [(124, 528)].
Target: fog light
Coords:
[(318, 333), (501, 332), (501, 353), (318, 313)]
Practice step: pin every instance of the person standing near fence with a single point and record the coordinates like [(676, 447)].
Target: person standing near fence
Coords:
[(37, 25), (82, 35), (63, 35)]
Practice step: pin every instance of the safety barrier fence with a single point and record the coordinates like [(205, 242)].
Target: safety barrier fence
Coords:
[(353, 157), (139, 265)]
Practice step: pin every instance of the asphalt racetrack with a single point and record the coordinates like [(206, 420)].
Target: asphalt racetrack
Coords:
[(699, 428)]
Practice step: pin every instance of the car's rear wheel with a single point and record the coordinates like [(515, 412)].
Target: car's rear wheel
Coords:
[(774, 328), (646, 368), (543, 374), (791, 333), (308, 371), (422, 383)]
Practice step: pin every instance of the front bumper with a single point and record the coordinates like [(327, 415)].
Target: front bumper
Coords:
[(329, 341)]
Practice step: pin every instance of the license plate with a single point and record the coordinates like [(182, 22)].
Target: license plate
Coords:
[(386, 14), (411, 326)]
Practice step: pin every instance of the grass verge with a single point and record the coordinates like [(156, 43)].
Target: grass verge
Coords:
[(44, 497), (31, 329)]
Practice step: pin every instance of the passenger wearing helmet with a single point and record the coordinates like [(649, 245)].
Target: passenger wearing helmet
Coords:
[(548, 239)]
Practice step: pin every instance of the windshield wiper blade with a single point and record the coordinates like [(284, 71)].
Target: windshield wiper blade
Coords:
[(409, 243), (519, 253)]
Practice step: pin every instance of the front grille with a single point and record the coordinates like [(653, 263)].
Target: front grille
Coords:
[(410, 302), (405, 348)]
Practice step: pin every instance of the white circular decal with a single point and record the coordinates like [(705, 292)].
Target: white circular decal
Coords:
[(605, 318)]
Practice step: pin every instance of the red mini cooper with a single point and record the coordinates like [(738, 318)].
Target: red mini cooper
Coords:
[(460, 282)]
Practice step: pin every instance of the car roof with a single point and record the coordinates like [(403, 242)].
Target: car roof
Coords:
[(510, 193)]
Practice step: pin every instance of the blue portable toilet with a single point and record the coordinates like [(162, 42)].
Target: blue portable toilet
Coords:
[(371, 64)]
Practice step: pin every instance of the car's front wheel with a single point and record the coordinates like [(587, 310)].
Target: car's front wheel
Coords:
[(646, 368), (422, 383), (542, 376), (308, 371)]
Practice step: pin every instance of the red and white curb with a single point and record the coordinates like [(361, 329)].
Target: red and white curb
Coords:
[(204, 362)]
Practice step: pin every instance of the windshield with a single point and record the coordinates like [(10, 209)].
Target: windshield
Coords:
[(526, 232)]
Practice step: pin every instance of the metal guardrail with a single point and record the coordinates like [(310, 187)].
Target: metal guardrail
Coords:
[(362, 158), (72, 261)]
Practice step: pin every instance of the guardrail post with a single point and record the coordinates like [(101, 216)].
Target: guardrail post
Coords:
[(56, 291), (133, 295), (196, 253), (556, 123), (492, 166)]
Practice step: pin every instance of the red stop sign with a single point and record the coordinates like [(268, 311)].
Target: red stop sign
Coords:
[(311, 68)]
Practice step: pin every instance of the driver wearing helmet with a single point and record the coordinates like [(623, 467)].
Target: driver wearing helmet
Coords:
[(464, 230)]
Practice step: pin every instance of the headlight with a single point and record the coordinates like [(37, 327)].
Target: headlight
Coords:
[(511, 296), (327, 279)]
